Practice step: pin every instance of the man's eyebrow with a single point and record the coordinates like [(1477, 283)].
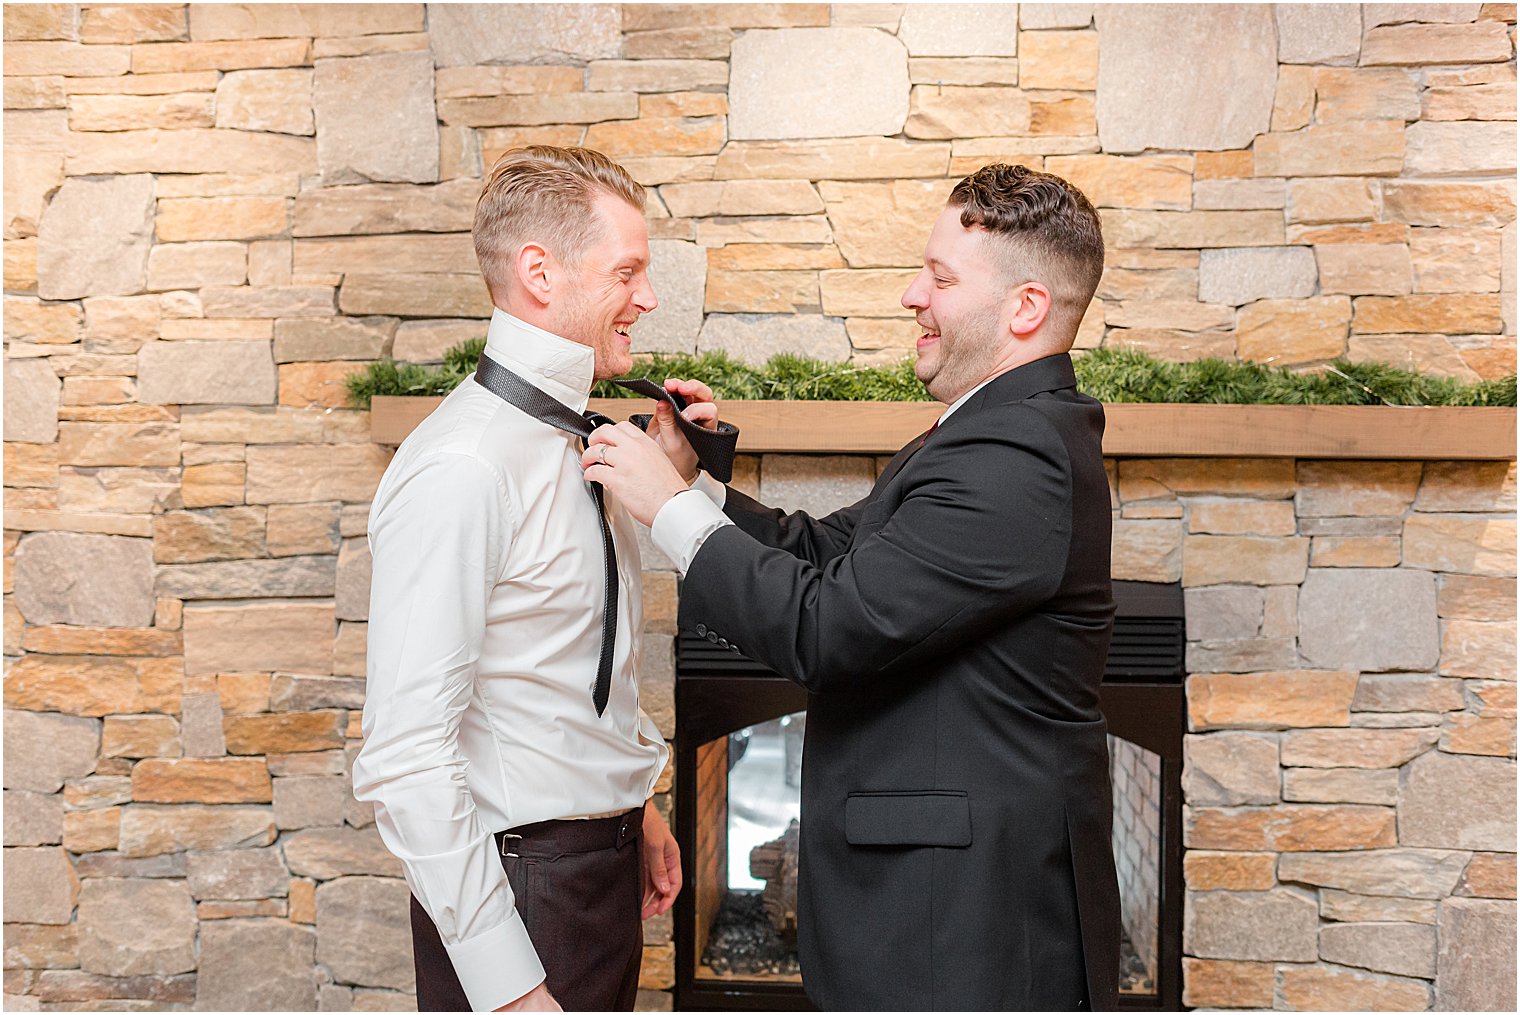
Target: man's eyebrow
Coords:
[(935, 262)]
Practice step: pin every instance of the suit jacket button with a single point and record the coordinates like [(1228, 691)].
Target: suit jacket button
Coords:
[(734, 649), (701, 630), (723, 643), (712, 636)]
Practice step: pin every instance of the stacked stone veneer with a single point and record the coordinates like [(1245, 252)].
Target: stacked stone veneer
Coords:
[(213, 214)]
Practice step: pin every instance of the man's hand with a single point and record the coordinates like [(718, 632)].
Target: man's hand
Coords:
[(537, 999), (700, 409), (662, 864), (629, 464)]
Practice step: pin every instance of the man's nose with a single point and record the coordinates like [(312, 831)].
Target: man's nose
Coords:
[(645, 299), (913, 297)]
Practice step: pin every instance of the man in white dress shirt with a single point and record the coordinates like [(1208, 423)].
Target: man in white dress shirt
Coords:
[(517, 810)]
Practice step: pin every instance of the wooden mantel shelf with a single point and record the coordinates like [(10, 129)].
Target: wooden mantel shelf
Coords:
[(1213, 431)]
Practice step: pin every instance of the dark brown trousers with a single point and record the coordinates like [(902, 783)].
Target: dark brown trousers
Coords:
[(579, 889)]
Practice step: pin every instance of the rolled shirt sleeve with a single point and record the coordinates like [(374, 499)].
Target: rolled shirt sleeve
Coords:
[(438, 542)]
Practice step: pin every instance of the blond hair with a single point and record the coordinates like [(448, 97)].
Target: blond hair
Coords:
[(544, 194)]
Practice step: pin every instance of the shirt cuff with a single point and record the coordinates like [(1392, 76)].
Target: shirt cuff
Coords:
[(681, 526), (497, 967), (714, 490)]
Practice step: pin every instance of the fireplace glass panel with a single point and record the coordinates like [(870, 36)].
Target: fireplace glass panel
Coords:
[(1136, 777), (747, 852)]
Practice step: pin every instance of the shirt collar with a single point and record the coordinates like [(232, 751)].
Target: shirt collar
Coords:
[(964, 399), (562, 368)]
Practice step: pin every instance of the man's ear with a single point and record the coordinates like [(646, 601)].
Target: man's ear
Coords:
[(1029, 305), (533, 268)]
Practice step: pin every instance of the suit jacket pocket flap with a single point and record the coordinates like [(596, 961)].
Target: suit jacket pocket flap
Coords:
[(931, 818)]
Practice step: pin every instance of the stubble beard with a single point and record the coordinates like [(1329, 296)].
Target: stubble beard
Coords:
[(963, 355)]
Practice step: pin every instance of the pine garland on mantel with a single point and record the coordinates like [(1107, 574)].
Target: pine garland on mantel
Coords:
[(1110, 375)]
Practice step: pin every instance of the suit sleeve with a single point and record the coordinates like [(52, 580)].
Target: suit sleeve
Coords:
[(981, 536), (815, 540)]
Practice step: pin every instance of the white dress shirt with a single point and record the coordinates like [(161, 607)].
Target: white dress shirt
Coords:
[(685, 521), (485, 627)]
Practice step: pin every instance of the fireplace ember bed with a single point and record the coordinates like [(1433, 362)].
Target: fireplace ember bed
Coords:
[(739, 730)]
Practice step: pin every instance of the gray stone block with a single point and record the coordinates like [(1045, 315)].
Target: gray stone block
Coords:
[(43, 749), (198, 373), (32, 389), (85, 579), (375, 119), (1476, 967), (1404, 949), (237, 873), (95, 236), (1228, 769), (1368, 619), (1276, 926), (359, 939), (778, 75), (256, 965), (1458, 801), (136, 928), (1238, 275), (816, 484)]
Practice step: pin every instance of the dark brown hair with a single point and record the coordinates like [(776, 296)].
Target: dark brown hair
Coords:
[(543, 194), (1050, 230)]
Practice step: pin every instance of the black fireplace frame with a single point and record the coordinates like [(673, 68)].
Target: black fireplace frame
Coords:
[(1143, 699)]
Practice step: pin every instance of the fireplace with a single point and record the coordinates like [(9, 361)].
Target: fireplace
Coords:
[(739, 739)]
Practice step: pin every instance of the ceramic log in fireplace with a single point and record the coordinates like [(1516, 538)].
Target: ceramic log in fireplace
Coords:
[(739, 737)]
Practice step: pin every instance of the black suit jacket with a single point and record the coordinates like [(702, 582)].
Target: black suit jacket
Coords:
[(951, 629)]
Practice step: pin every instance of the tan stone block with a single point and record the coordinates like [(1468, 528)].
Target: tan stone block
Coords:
[(1263, 478), (1345, 488), (1289, 828), (1427, 354), (533, 110), (1471, 734), (1337, 988), (1432, 203), (1252, 560), (409, 295), (260, 636), (373, 255), (322, 383), (884, 224), (249, 425), (1239, 195), (144, 444), (1218, 983), (29, 320), (139, 112), (1354, 551), (92, 831), (1223, 165), (303, 900), (655, 75), (1293, 103), (165, 57), (1062, 114), (1128, 181), (1283, 332), (31, 465), (941, 113), (94, 685), (302, 529), (1059, 60), (102, 23), (892, 335), (267, 21), (1495, 361), (1357, 93), (651, 17), (23, 59), (1236, 872), (227, 534), (683, 104), (243, 692), (760, 291), (1367, 235), (1340, 785), (114, 641), (657, 968), (1455, 260), (285, 732), (1465, 148), (193, 265), (974, 70), (1270, 700), (1471, 598), (202, 780), (1237, 517), (230, 185), (188, 151), (21, 265), (213, 485), (1367, 148), (349, 649), (1361, 269), (694, 43), (1145, 550), (1355, 748), (473, 82), (148, 830), (1352, 908), (140, 736), (369, 45), (1195, 229), (496, 140), (220, 218), (844, 159), (1332, 200), (1475, 648), (1479, 102), (268, 301), (864, 293), (1465, 314), (271, 100), (1416, 45), (801, 229), (1489, 876), (742, 197), (35, 93), (663, 136), (41, 21)]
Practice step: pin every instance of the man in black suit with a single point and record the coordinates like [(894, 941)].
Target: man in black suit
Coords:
[(951, 629)]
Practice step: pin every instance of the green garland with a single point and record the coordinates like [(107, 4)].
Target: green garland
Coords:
[(1109, 375)]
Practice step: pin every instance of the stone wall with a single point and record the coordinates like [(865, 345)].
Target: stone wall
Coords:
[(213, 214)]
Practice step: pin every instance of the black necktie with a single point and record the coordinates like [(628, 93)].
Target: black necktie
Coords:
[(715, 453)]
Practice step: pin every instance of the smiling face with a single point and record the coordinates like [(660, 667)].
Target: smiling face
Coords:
[(958, 298), (609, 287)]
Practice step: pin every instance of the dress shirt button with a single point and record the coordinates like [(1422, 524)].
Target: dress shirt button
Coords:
[(712, 636), (701, 630)]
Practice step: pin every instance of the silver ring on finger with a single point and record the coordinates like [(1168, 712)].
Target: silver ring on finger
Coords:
[(601, 454)]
